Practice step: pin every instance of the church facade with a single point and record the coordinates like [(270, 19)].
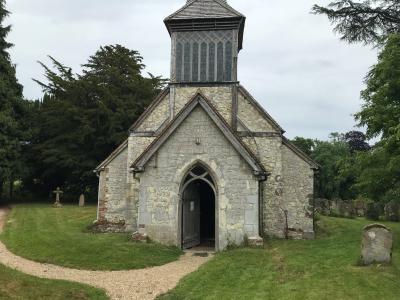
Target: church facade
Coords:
[(206, 164)]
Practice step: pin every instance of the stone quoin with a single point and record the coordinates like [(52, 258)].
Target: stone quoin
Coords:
[(206, 164)]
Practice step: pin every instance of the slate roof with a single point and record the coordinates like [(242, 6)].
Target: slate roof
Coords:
[(207, 9)]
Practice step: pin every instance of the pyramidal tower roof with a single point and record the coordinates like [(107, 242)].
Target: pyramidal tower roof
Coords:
[(205, 15), (207, 9)]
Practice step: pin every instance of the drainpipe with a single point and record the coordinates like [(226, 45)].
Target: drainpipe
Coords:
[(263, 178)]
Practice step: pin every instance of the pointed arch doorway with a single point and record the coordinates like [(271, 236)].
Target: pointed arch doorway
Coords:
[(198, 209)]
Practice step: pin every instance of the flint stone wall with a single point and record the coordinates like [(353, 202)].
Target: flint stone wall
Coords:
[(289, 187), (219, 96), (237, 195), (251, 117), (113, 190), (157, 117), (298, 194)]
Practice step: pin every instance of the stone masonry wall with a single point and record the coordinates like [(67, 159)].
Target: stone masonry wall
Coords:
[(219, 96), (237, 196), (136, 146), (251, 117), (113, 182), (298, 179), (157, 117)]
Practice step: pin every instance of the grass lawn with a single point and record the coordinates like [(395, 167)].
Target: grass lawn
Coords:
[(325, 268), (15, 285), (58, 236)]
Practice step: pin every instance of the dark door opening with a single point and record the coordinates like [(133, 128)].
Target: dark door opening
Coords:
[(207, 215), (198, 210)]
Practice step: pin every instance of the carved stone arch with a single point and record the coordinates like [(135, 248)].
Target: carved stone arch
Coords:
[(191, 166)]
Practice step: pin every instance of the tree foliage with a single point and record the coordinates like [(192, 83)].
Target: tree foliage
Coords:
[(357, 141), (368, 21), (11, 110), (380, 177), (84, 117)]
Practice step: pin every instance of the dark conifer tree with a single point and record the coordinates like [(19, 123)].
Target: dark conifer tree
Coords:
[(11, 109)]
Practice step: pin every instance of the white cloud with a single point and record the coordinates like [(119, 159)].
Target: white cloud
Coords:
[(292, 63)]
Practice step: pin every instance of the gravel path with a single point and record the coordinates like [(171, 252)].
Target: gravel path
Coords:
[(134, 284)]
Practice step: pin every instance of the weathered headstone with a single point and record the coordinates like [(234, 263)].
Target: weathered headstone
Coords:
[(82, 200), (58, 192), (377, 244)]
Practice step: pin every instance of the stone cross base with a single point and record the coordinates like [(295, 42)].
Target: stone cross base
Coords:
[(57, 205)]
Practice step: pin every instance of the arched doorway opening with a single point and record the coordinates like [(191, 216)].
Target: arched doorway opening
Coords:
[(198, 209)]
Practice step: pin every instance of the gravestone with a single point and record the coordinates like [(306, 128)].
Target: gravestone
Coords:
[(82, 200), (377, 244), (58, 192)]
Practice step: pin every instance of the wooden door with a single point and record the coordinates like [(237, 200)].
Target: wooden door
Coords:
[(191, 217)]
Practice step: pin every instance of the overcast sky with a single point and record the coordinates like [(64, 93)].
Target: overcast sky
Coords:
[(292, 63)]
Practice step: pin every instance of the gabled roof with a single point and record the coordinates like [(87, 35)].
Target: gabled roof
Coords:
[(113, 155), (200, 100), (207, 9)]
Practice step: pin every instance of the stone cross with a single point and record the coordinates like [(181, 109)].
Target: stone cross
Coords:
[(58, 193), (82, 200), (377, 243)]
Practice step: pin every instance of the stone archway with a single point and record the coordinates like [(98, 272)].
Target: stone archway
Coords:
[(198, 209)]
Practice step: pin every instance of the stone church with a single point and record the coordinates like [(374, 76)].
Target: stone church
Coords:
[(206, 164)]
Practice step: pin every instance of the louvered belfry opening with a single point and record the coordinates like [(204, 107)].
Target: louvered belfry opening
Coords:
[(206, 38)]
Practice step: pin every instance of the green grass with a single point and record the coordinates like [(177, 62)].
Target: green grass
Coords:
[(59, 236), (325, 268), (18, 286)]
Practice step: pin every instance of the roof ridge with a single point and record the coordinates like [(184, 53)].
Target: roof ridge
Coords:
[(223, 4)]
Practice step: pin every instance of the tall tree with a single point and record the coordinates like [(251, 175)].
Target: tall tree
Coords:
[(306, 145), (381, 115), (84, 117), (329, 154), (367, 21), (11, 109), (357, 141)]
